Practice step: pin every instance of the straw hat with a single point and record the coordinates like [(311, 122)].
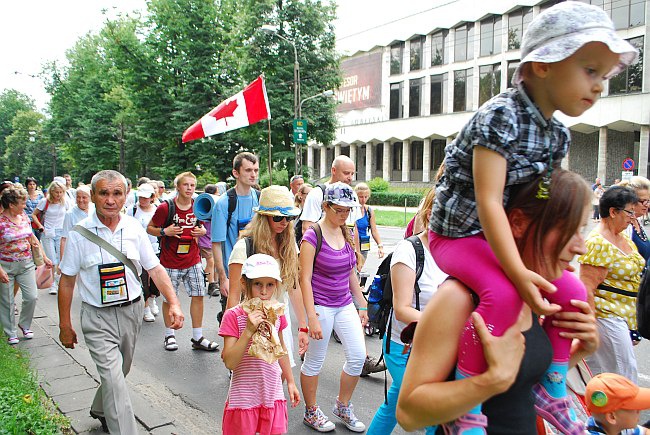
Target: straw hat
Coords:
[(276, 201)]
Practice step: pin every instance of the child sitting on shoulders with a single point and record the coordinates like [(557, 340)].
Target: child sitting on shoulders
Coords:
[(615, 402), (256, 401)]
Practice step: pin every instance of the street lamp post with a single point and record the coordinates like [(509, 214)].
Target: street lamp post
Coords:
[(296, 88)]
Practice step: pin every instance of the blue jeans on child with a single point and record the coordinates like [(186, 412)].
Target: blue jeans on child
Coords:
[(384, 420)]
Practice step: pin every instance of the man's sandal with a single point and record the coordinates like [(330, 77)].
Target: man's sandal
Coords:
[(205, 344), (170, 343)]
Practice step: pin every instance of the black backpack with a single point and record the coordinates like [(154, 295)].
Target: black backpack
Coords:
[(380, 298), (232, 203), (643, 306)]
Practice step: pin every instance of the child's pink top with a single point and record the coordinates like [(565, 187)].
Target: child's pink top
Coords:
[(255, 383)]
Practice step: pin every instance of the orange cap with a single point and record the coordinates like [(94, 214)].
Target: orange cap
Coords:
[(609, 392)]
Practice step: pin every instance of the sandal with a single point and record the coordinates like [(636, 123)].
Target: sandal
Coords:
[(170, 343), (27, 333), (205, 344), (475, 422), (557, 412)]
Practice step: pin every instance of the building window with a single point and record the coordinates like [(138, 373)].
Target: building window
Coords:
[(628, 13), (518, 22), (464, 42), (417, 44), (379, 158), (439, 52), (437, 153), (491, 35), (489, 82), (415, 97), (462, 90), (438, 94), (549, 4), (417, 154), (396, 100), (599, 3), (512, 66), (397, 156), (396, 57), (630, 80)]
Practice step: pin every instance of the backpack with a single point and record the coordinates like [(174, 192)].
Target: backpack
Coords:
[(380, 297), (232, 203), (643, 306)]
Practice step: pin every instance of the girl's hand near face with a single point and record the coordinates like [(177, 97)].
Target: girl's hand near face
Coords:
[(254, 320)]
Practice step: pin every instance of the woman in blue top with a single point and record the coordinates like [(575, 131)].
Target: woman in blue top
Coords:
[(367, 222), (33, 197)]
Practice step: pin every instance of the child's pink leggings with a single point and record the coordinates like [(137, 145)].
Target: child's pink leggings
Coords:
[(471, 260)]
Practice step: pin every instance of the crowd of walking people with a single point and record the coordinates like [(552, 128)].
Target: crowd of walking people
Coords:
[(487, 318)]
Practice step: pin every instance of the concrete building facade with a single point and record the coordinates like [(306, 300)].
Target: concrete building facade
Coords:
[(409, 87)]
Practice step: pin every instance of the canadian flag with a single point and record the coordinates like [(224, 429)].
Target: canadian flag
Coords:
[(241, 110)]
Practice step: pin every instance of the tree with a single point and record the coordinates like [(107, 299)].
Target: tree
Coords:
[(27, 152), (11, 103)]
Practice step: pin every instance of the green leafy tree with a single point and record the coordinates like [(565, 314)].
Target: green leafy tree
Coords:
[(11, 102), (27, 152)]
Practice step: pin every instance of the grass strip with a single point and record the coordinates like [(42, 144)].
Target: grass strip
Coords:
[(392, 218), (24, 407)]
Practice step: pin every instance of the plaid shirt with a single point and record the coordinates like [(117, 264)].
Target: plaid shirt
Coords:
[(511, 125)]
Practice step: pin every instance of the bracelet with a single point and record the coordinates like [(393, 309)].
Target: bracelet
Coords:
[(380, 245), (363, 308), (306, 330)]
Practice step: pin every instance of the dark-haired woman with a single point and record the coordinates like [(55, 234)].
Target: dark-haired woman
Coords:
[(611, 270), (33, 198)]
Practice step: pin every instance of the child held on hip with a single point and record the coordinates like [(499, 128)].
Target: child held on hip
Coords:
[(255, 402), (567, 53)]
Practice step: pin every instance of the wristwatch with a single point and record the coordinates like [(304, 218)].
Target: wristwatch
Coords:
[(162, 231)]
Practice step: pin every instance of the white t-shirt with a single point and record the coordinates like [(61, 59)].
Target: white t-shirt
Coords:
[(53, 216), (312, 211), (429, 281), (144, 217)]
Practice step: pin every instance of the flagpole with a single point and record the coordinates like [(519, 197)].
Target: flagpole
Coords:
[(270, 165)]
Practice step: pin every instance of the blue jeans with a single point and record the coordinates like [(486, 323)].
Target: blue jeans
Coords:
[(384, 420)]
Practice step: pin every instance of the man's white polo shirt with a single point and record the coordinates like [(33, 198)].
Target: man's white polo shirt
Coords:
[(82, 257)]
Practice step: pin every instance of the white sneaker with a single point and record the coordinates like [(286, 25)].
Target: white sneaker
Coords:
[(154, 307), (148, 317), (53, 290)]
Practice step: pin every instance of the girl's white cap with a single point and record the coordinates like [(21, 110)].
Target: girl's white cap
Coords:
[(261, 266)]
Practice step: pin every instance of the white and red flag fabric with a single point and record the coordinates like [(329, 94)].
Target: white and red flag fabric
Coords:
[(241, 110)]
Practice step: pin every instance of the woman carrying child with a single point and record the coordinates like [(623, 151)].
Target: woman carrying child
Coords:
[(256, 402), (568, 52)]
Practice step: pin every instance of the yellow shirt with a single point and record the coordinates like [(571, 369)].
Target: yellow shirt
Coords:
[(623, 273)]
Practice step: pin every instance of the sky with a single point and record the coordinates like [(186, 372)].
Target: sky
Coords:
[(34, 32)]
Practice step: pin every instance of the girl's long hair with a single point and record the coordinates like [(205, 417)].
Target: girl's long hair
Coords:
[(287, 255), (569, 196)]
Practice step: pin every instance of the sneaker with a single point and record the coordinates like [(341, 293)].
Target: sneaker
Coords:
[(12, 340), (154, 307), (346, 415), (148, 316), (470, 423), (557, 412), (170, 343), (317, 420), (27, 333), (53, 290), (371, 365)]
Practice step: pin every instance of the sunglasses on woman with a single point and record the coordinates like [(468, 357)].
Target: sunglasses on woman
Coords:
[(277, 219)]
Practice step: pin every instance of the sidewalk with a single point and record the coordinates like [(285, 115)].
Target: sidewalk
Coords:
[(70, 378)]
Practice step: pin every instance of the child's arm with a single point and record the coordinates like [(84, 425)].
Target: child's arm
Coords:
[(287, 374), (234, 348), (490, 170)]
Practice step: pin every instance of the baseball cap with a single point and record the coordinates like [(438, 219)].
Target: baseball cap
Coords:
[(145, 191), (261, 266), (340, 194), (609, 392), (563, 29), (59, 180)]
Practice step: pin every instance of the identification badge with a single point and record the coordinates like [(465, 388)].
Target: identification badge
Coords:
[(365, 244), (184, 245), (112, 281)]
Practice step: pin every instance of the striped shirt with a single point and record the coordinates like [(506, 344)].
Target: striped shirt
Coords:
[(511, 125), (255, 383), (330, 280)]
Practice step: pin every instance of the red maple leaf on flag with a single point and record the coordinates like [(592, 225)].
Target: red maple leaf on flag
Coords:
[(225, 110)]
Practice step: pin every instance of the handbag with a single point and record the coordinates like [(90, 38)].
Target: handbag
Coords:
[(37, 255), (44, 277), (84, 232), (643, 306), (34, 226)]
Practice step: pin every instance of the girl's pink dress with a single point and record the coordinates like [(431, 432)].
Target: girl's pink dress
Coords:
[(256, 402)]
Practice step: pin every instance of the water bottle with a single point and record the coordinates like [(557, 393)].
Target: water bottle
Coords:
[(376, 292)]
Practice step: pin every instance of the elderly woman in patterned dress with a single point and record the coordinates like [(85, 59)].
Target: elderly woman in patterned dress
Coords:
[(611, 270)]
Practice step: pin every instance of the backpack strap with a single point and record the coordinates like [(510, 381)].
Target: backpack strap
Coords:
[(135, 208), (171, 211), (419, 266), (232, 204), (250, 248), (319, 240)]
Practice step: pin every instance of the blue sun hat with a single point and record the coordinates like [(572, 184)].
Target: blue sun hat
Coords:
[(563, 29), (340, 194)]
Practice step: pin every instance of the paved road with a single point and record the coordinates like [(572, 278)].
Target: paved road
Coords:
[(192, 385)]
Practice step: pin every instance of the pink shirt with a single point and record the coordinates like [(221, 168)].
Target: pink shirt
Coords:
[(255, 383), (14, 239)]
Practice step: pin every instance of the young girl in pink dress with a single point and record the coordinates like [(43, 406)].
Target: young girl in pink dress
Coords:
[(256, 402)]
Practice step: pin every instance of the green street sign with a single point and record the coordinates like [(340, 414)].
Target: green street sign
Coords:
[(300, 131)]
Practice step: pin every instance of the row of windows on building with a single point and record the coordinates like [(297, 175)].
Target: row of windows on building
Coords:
[(624, 14), (489, 76)]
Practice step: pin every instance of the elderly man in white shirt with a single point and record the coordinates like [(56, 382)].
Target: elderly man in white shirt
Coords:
[(111, 295)]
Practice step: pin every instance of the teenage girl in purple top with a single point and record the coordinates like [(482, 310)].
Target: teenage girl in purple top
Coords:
[(328, 283)]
